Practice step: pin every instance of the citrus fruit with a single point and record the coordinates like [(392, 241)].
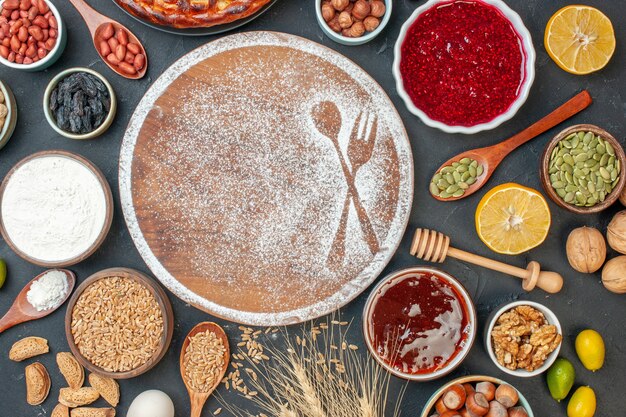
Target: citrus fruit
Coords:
[(580, 39), (560, 378), (3, 272), (582, 403), (512, 219), (590, 349)]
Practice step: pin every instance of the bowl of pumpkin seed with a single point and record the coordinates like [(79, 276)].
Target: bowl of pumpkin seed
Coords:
[(583, 169)]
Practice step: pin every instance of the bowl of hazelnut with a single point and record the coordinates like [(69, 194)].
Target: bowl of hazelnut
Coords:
[(352, 22)]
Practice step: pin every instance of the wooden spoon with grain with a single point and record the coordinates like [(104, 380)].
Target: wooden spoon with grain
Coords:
[(199, 398)]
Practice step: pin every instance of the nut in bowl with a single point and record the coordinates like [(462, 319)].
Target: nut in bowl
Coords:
[(132, 329), (523, 338), (477, 395), (419, 323), (8, 114), (582, 169), (32, 34), (353, 22), (464, 66)]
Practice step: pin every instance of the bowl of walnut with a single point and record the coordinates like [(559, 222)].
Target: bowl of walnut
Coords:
[(523, 338), (352, 22)]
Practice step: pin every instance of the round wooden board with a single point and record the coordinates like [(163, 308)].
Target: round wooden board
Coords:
[(266, 179)]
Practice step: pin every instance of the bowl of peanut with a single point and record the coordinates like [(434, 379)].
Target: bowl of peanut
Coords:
[(523, 338), (352, 22)]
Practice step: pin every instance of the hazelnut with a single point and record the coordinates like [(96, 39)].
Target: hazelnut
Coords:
[(518, 412), (334, 24), (477, 404), (339, 5), (361, 9), (328, 11), (377, 8), (345, 20), (349, 8), (616, 232), (586, 249), (496, 410), (507, 395), (488, 389), (622, 197), (454, 397), (346, 32), (614, 275), (357, 29), (371, 23)]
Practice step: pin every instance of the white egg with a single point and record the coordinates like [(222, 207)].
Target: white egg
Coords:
[(151, 403)]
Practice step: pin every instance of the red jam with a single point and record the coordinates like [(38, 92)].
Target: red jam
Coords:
[(462, 63), (419, 324)]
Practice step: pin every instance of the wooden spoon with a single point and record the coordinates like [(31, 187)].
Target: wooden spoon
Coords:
[(96, 23), (22, 311), (199, 398), (491, 156)]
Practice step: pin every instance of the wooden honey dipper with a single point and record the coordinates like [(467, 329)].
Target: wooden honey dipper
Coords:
[(433, 246)]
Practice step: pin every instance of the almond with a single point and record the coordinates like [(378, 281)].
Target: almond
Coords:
[(60, 411), (37, 383), (77, 397), (107, 387), (27, 348), (70, 368), (93, 412)]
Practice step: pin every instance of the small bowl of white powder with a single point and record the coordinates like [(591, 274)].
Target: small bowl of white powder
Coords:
[(56, 208)]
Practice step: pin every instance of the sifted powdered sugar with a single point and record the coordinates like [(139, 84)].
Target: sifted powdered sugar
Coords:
[(231, 188)]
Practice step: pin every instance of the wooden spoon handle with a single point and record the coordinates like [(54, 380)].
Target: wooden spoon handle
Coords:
[(548, 281), (9, 320), (92, 18), (572, 106), (197, 403)]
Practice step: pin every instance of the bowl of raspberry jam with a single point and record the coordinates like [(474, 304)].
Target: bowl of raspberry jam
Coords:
[(464, 66), (419, 323)]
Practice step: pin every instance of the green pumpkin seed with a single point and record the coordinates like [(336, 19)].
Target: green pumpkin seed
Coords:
[(434, 190), (459, 193), (567, 168), (461, 168), (465, 161), (609, 149), (569, 197), (471, 181), (445, 195), (605, 173), (561, 192), (466, 176), (581, 158), (463, 185), (558, 184), (456, 176), (590, 163), (452, 189), (474, 164), (479, 170), (571, 188), (568, 159)]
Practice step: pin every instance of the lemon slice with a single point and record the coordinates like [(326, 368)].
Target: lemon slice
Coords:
[(512, 219), (580, 39)]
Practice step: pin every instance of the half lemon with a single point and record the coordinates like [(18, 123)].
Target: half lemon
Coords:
[(580, 39), (512, 219)]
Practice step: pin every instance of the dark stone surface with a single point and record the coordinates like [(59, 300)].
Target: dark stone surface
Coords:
[(583, 302)]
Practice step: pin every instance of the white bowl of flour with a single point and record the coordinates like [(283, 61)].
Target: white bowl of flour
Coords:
[(56, 208)]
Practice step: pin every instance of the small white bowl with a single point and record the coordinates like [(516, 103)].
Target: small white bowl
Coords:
[(53, 55), (50, 118), (339, 38), (550, 317), (529, 70), (391, 280)]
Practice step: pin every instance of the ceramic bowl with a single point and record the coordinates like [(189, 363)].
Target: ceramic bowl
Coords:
[(48, 113), (10, 121), (495, 314), (524, 91), (429, 408), (344, 40), (105, 227), (166, 312), (53, 55), (391, 280), (545, 166)]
